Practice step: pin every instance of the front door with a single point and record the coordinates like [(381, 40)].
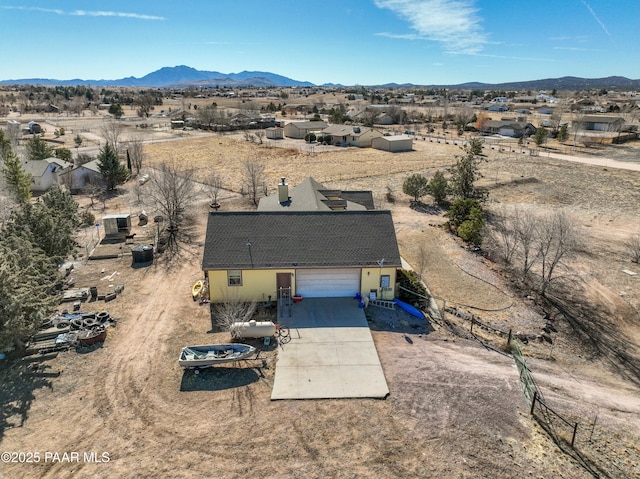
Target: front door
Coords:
[(283, 284)]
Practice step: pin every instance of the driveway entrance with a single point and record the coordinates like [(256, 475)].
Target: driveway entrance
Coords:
[(331, 353)]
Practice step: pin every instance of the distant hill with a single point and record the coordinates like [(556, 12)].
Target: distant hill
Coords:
[(178, 76), (563, 83), (183, 76)]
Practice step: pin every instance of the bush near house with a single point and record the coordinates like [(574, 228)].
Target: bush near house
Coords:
[(410, 280)]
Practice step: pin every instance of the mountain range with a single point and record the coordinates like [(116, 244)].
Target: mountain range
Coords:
[(183, 76)]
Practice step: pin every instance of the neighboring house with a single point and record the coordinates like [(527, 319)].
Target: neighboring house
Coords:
[(313, 196), (384, 119), (514, 129), (349, 135), (499, 107), (598, 123), (85, 175), (261, 256), (300, 129), (46, 173), (393, 143)]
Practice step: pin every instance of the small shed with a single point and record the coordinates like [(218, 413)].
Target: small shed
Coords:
[(34, 127), (117, 225), (393, 143), (275, 133)]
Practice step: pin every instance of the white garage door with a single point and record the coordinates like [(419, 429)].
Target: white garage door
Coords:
[(328, 283)]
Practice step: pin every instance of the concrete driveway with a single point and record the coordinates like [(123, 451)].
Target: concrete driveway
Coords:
[(331, 353)]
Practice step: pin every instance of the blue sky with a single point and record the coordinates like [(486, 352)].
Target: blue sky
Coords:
[(340, 41)]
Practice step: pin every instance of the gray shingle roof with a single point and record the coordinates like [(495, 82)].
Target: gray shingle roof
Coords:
[(299, 240), (311, 195)]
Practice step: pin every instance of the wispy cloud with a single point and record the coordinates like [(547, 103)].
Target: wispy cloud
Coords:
[(593, 14), (577, 38), (86, 13), (578, 49), (514, 57), (454, 23)]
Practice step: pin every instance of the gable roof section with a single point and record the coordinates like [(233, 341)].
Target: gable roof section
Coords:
[(345, 130), (600, 119), (93, 165), (36, 168), (308, 125), (300, 240), (310, 195)]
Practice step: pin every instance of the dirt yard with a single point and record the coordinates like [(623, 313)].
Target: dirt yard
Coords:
[(455, 408)]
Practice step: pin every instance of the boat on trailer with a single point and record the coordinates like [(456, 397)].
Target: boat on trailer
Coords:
[(204, 356)]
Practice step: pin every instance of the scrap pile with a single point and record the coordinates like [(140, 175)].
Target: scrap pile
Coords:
[(65, 330)]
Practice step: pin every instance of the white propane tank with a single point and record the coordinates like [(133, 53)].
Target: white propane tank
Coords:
[(252, 329)]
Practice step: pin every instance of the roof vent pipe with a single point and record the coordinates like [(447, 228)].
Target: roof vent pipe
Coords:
[(283, 192)]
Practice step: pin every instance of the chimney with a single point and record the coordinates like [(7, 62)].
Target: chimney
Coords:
[(283, 192)]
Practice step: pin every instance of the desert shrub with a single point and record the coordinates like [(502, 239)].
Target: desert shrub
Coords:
[(468, 219), (87, 218), (389, 196)]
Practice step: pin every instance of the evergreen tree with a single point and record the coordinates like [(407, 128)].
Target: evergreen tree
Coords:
[(18, 180), (438, 187), (113, 172), (464, 175), (563, 133), (416, 186), (48, 223), (26, 282), (540, 136), (38, 149)]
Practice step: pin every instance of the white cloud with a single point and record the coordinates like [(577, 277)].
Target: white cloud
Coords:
[(88, 13), (454, 23)]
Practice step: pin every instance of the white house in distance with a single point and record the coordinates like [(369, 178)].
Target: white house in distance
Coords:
[(393, 143), (46, 173)]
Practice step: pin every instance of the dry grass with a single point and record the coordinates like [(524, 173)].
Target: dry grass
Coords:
[(455, 409)]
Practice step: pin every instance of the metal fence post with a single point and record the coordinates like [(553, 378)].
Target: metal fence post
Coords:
[(533, 401)]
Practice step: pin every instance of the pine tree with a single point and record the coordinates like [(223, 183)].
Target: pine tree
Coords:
[(26, 282), (38, 149), (113, 172), (17, 179)]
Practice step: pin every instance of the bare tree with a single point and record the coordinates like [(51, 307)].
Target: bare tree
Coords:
[(214, 185), (557, 240), (145, 103), (207, 115), (422, 258), (95, 192), (504, 234), (524, 223), (112, 134), (254, 177), (633, 247), (248, 136), (173, 190), (135, 149), (259, 134), (227, 314)]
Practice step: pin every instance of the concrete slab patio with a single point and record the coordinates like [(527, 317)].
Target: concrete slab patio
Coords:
[(331, 353)]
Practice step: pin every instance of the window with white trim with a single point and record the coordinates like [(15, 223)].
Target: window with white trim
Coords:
[(234, 277)]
